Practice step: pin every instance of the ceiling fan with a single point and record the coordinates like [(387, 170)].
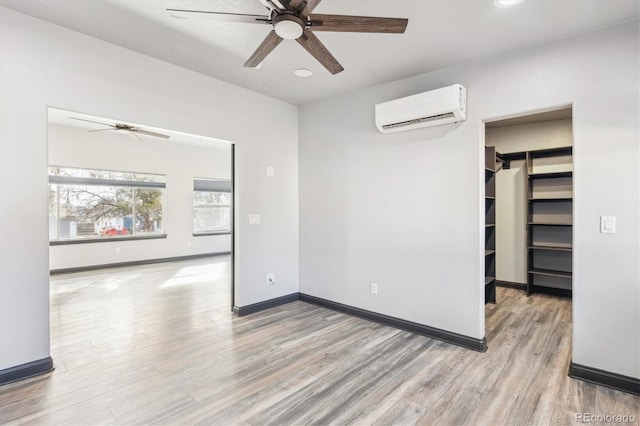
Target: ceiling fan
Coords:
[(131, 130), (293, 20)]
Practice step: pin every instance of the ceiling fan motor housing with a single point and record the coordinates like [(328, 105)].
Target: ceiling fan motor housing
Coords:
[(288, 25)]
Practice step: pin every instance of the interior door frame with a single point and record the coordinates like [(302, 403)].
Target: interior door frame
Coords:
[(232, 274), (482, 138)]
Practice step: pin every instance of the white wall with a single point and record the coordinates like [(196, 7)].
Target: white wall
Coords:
[(511, 190), (511, 223), (76, 147), (43, 65), (406, 209)]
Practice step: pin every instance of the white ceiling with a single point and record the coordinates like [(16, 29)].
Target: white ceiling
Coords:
[(68, 118), (440, 33)]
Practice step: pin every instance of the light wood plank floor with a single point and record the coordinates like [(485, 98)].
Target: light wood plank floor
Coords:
[(157, 344)]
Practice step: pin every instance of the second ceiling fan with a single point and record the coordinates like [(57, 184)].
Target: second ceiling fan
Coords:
[(293, 20), (126, 128)]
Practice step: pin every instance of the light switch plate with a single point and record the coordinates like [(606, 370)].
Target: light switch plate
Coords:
[(254, 219), (607, 224), (271, 171)]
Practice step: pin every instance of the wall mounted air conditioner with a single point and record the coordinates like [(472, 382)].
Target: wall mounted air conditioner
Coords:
[(433, 108)]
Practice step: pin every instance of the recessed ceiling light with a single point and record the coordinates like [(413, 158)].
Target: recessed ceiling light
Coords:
[(506, 3), (303, 72)]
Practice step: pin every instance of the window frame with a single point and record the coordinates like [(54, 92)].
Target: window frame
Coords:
[(212, 185), (57, 179)]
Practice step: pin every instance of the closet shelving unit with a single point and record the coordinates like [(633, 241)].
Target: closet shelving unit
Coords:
[(490, 224), (550, 221)]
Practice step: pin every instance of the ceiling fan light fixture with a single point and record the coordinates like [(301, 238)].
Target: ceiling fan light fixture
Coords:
[(288, 27), (506, 3)]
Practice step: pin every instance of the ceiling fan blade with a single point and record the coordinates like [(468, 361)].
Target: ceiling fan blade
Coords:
[(311, 4), (357, 24), (149, 133), (133, 134), (310, 42), (291, 4), (99, 130), (268, 44), (277, 4), (91, 121), (219, 16)]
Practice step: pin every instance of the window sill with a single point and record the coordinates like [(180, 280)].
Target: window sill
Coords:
[(208, 234), (106, 240)]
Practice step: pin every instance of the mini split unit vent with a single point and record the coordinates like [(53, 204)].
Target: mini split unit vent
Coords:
[(433, 108)]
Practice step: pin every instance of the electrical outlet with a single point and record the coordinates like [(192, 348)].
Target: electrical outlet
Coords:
[(374, 288), (271, 279), (117, 250)]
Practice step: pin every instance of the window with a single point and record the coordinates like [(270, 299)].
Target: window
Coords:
[(211, 206), (99, 204)]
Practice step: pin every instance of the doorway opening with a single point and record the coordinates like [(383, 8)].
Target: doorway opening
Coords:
[(528, 213), (141, 233)]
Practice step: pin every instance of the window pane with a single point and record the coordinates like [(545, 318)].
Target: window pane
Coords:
[(95, 211), (149, 178), (212, 211), (102, 204), (53, 212), (149, 211), (93, 174), (206, 198), (105, 174)]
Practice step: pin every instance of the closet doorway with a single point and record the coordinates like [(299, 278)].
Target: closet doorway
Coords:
[(529, 207)]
